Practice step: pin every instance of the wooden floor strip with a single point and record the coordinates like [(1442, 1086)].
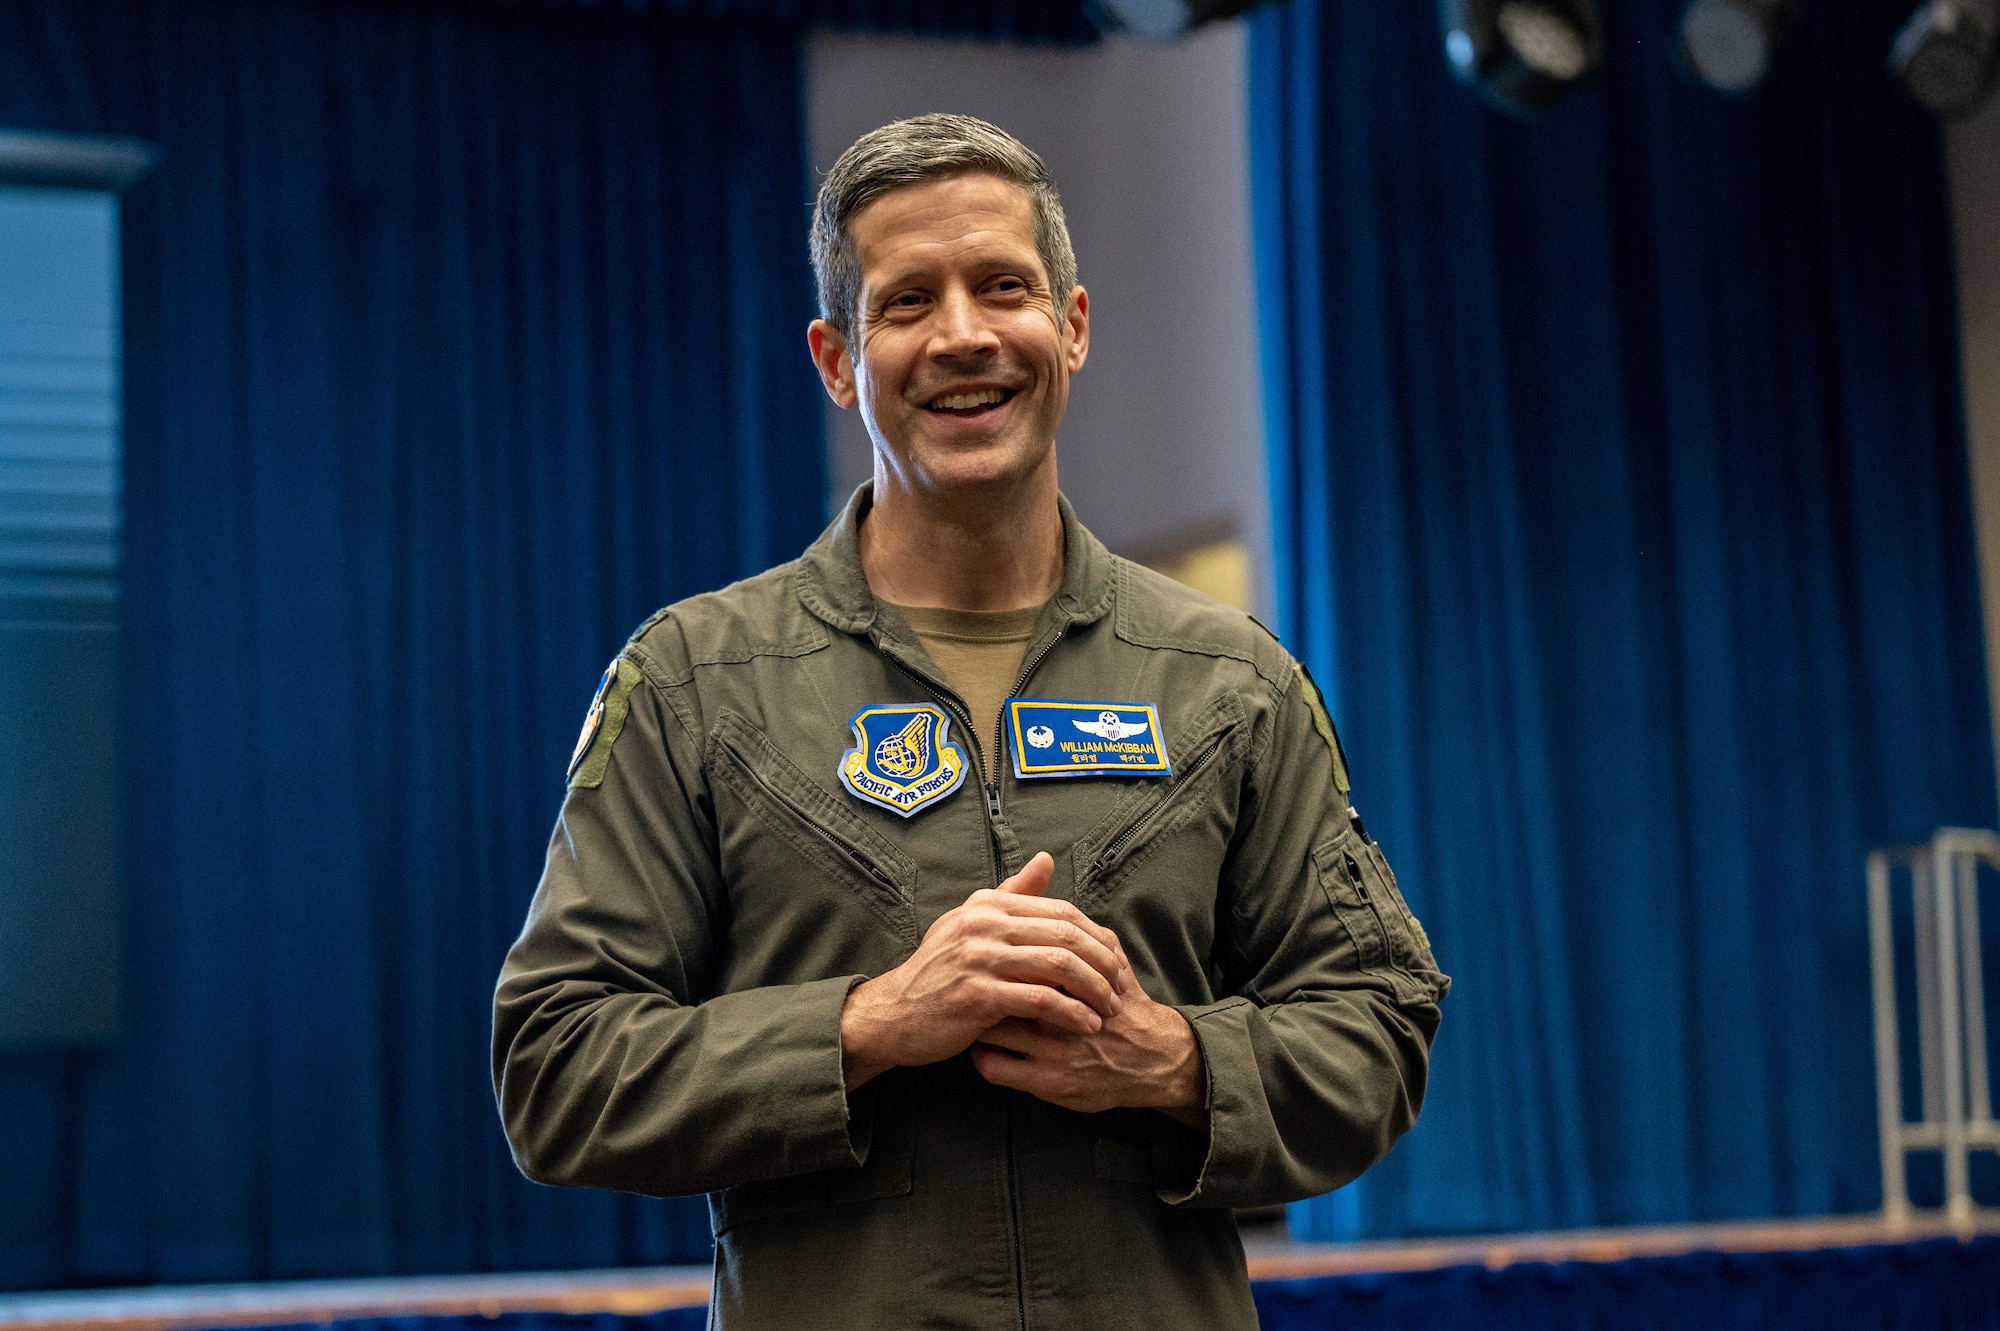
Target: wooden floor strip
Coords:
[(636, 1291)]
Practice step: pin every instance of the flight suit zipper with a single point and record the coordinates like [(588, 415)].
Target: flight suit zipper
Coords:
[(957, 707), (993, 816), (1000, 722), (952, 703)]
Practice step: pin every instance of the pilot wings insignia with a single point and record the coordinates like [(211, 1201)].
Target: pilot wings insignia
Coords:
[(908, 751), (1108, 726)]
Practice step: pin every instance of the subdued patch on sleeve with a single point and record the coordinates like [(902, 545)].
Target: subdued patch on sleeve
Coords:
[(615, 704), (1324, 725)]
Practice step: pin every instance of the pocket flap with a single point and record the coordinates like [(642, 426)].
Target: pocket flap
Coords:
[(1207, 746), (817, 824)]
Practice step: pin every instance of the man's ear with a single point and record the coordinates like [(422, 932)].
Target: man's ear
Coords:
[(836, 367), (1076, 328)]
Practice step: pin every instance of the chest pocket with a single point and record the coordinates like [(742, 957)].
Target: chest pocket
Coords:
[(810, 822), (1189, 817)]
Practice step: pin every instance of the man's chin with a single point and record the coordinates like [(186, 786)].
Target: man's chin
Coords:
[(961, 460), (963, 469)]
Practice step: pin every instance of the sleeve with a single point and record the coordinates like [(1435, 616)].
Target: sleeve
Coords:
[(614, 1064), (1316, 1062)]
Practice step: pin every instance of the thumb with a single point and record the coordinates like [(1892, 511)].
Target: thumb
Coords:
[(1033, 880)]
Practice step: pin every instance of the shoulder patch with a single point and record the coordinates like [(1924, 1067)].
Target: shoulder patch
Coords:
[(602, 723), (1324, 725), (903, 758)]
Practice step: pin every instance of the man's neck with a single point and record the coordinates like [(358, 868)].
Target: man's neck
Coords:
[(985, 552)]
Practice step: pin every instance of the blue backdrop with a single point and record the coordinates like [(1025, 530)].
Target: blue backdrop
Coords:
[(1623, 449), (458, 338), (1620, 505)]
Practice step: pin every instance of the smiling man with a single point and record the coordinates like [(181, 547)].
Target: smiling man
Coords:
[(977, 917)]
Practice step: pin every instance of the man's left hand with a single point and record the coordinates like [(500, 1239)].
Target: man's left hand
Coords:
[(1146, 1057)]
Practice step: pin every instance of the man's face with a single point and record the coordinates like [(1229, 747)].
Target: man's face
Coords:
[(963, 363)]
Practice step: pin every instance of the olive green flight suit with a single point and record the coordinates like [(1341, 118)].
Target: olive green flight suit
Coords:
[(669, 1021)]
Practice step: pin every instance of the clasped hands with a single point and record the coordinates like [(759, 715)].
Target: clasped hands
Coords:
[(1044, 998)]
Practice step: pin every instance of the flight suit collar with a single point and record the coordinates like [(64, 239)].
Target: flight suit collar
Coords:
[(833, 586)]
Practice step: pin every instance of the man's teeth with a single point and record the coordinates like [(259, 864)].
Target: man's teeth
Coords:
[(962, 401)]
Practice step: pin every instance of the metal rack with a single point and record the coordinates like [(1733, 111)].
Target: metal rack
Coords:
[(1957, 1102)]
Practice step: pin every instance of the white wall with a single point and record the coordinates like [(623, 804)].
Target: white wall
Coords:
[(1974, 153), (1164, 438)]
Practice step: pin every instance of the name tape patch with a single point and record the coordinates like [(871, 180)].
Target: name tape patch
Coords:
[(903, 758), (1068, 737)]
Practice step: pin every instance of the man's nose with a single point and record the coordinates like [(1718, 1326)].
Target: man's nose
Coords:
[(961, 328)]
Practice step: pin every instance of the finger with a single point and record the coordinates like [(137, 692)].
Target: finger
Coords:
[(1059, 968), (1040, 1002), (1030, 1039), (1055, 968), (1028, 932), (1013, 903), (1004, 1069), (1033, 880)]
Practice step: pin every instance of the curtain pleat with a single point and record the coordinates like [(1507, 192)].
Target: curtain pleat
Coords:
[(1620, 501), (458, 338)]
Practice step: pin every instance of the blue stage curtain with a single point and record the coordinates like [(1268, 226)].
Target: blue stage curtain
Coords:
[(457, 339), (1620, 503)]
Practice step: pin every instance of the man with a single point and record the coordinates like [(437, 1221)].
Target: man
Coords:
[(975, 916)]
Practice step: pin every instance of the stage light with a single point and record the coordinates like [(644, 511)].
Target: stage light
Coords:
[(1522, 54), (1945, 54), (1729, 44), (1164, 20)]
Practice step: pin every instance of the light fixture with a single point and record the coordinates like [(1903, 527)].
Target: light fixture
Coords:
[(1728, 45), (1945, 54), (1522, 54), (1164, 20)]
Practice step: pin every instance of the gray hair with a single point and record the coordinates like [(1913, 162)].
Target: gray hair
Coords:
[(913, 152)]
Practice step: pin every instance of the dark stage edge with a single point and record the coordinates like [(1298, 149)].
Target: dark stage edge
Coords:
[(640, 1291)]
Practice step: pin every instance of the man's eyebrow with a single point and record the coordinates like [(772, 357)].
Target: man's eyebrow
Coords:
[(907, 277), (918, 275)]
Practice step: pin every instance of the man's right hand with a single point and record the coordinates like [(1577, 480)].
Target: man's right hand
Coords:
[(1007, 952)]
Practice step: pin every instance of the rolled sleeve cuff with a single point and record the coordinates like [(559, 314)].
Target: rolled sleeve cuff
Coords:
[(793, 1038), (1188, 1165)]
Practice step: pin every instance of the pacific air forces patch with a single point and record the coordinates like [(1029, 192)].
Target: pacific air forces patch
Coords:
[(902, 758)]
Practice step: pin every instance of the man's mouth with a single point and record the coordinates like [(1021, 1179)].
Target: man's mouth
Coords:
[(970, 402)]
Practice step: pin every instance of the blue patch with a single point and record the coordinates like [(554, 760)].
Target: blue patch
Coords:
[(1065, 737), (592, 719), (902, 759)]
